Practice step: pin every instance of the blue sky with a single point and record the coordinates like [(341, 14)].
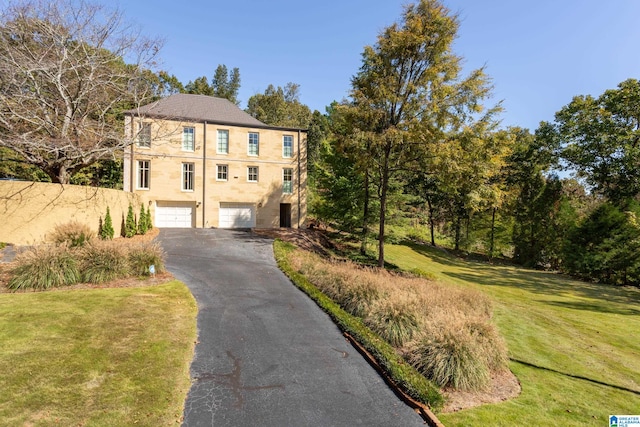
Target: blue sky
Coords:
[(539, 53)]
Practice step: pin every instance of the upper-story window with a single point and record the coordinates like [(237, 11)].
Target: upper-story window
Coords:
[(287, 146), (223, 142), (144, 134), (188, 175), (222, 173), (188, 138), (144, 168), (254, 143)]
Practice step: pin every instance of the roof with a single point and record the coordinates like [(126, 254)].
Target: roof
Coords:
[(199, 108)]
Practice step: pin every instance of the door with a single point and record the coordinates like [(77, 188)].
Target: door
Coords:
[(285, 215), (173, 216), (236, 215)]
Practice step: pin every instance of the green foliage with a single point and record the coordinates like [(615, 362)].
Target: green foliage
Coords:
[(105, 174), (130, 226), (103, 261), (13, 166), (143, 223), (44, 267), (600, 138), (72, 233), (605, 246), (106, 229), (280, 107), (224, 84), (144, 255)]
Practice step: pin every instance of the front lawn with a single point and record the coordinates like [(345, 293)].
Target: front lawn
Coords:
[(574, 346), (99, 357)]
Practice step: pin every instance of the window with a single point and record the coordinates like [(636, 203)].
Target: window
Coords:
[(188, 137), (188, 173), (287, 181), (143, 174), (223, 142), (144, 135), (287, 146), (254, 142), (252, 174), (223, 172)]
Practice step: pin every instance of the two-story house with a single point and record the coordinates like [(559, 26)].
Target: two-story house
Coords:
[(201, 161)]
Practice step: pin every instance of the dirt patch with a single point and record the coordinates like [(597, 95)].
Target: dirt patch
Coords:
[(309, 239), (504, 386)]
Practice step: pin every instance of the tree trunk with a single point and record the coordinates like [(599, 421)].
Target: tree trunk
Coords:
[(365, 214), (492, 235), (457, 232), (383, 204), (431, 226)]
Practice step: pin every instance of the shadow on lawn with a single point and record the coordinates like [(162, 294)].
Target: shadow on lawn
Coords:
[(534, 281)]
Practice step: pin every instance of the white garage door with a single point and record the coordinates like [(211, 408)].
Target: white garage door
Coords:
[(236, 215), (168, 216)]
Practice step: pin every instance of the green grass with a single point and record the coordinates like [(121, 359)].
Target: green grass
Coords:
[(574, 346), (99, 357)]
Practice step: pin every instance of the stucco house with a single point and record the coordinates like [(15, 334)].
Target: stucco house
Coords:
[(202, 162)]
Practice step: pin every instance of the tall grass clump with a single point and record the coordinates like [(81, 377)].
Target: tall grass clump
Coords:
[(103, 261), (445, 333), (72, 233), (44, 267), (144, 255)]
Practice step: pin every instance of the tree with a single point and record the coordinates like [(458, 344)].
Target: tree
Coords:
[(409, 94), (130, 226), (142, 221), (280, 107), (226, 84), (106, 228), (64, 81), (601, 140)]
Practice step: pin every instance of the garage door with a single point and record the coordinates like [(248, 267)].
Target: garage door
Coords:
[(237, 215), (168, 216)]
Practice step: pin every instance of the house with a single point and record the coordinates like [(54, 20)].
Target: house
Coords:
[(202, 162)]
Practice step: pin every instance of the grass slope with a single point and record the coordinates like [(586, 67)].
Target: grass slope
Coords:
[(573, 345), (99, 357)]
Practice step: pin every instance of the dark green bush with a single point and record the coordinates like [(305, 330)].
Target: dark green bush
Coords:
[(130, 227), (106, 228)]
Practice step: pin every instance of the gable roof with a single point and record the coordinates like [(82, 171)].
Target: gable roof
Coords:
[(198, 108)]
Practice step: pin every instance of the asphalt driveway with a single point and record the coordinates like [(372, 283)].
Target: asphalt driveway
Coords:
[(266, 354)]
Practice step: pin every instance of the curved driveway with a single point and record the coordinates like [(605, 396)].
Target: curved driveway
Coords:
[(266, 354)]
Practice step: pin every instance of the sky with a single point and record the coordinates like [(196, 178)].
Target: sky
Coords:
[(539, 53)]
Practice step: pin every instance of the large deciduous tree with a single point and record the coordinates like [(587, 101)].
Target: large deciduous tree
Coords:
[(601, 140), (409, 94), (67, 69), (280, 107)]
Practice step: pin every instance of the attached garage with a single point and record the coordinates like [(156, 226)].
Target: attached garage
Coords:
[(174, 215), (237, 215)]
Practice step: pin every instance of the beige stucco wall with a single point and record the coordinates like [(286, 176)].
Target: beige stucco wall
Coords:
[(166, 157), (29, 211)]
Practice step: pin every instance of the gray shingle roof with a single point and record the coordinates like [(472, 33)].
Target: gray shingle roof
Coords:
[(198, 108)]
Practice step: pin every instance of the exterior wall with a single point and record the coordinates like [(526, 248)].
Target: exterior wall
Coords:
[(166, 157), (29, 211)]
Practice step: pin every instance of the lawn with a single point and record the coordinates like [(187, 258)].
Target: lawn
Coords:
[(574, 346), (96, 357)]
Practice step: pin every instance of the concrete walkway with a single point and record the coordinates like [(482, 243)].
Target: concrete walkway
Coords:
[(266, 354)]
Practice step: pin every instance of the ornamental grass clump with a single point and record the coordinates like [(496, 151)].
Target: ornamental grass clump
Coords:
[(44, 267), (143, 256), (445, 332), (103, 261), (72, 233)]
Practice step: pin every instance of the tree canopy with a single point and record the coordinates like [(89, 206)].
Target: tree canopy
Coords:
[(279, 106), (224, 84), (68, 69)]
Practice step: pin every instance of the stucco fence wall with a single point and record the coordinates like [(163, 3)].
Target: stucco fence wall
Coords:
[(29, 211)]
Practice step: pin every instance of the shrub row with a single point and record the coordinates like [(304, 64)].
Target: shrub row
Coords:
[(98, 261), (446, 333)]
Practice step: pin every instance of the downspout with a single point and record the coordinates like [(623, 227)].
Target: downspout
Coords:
[(299, 176), (204, 173), (132, 174)]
